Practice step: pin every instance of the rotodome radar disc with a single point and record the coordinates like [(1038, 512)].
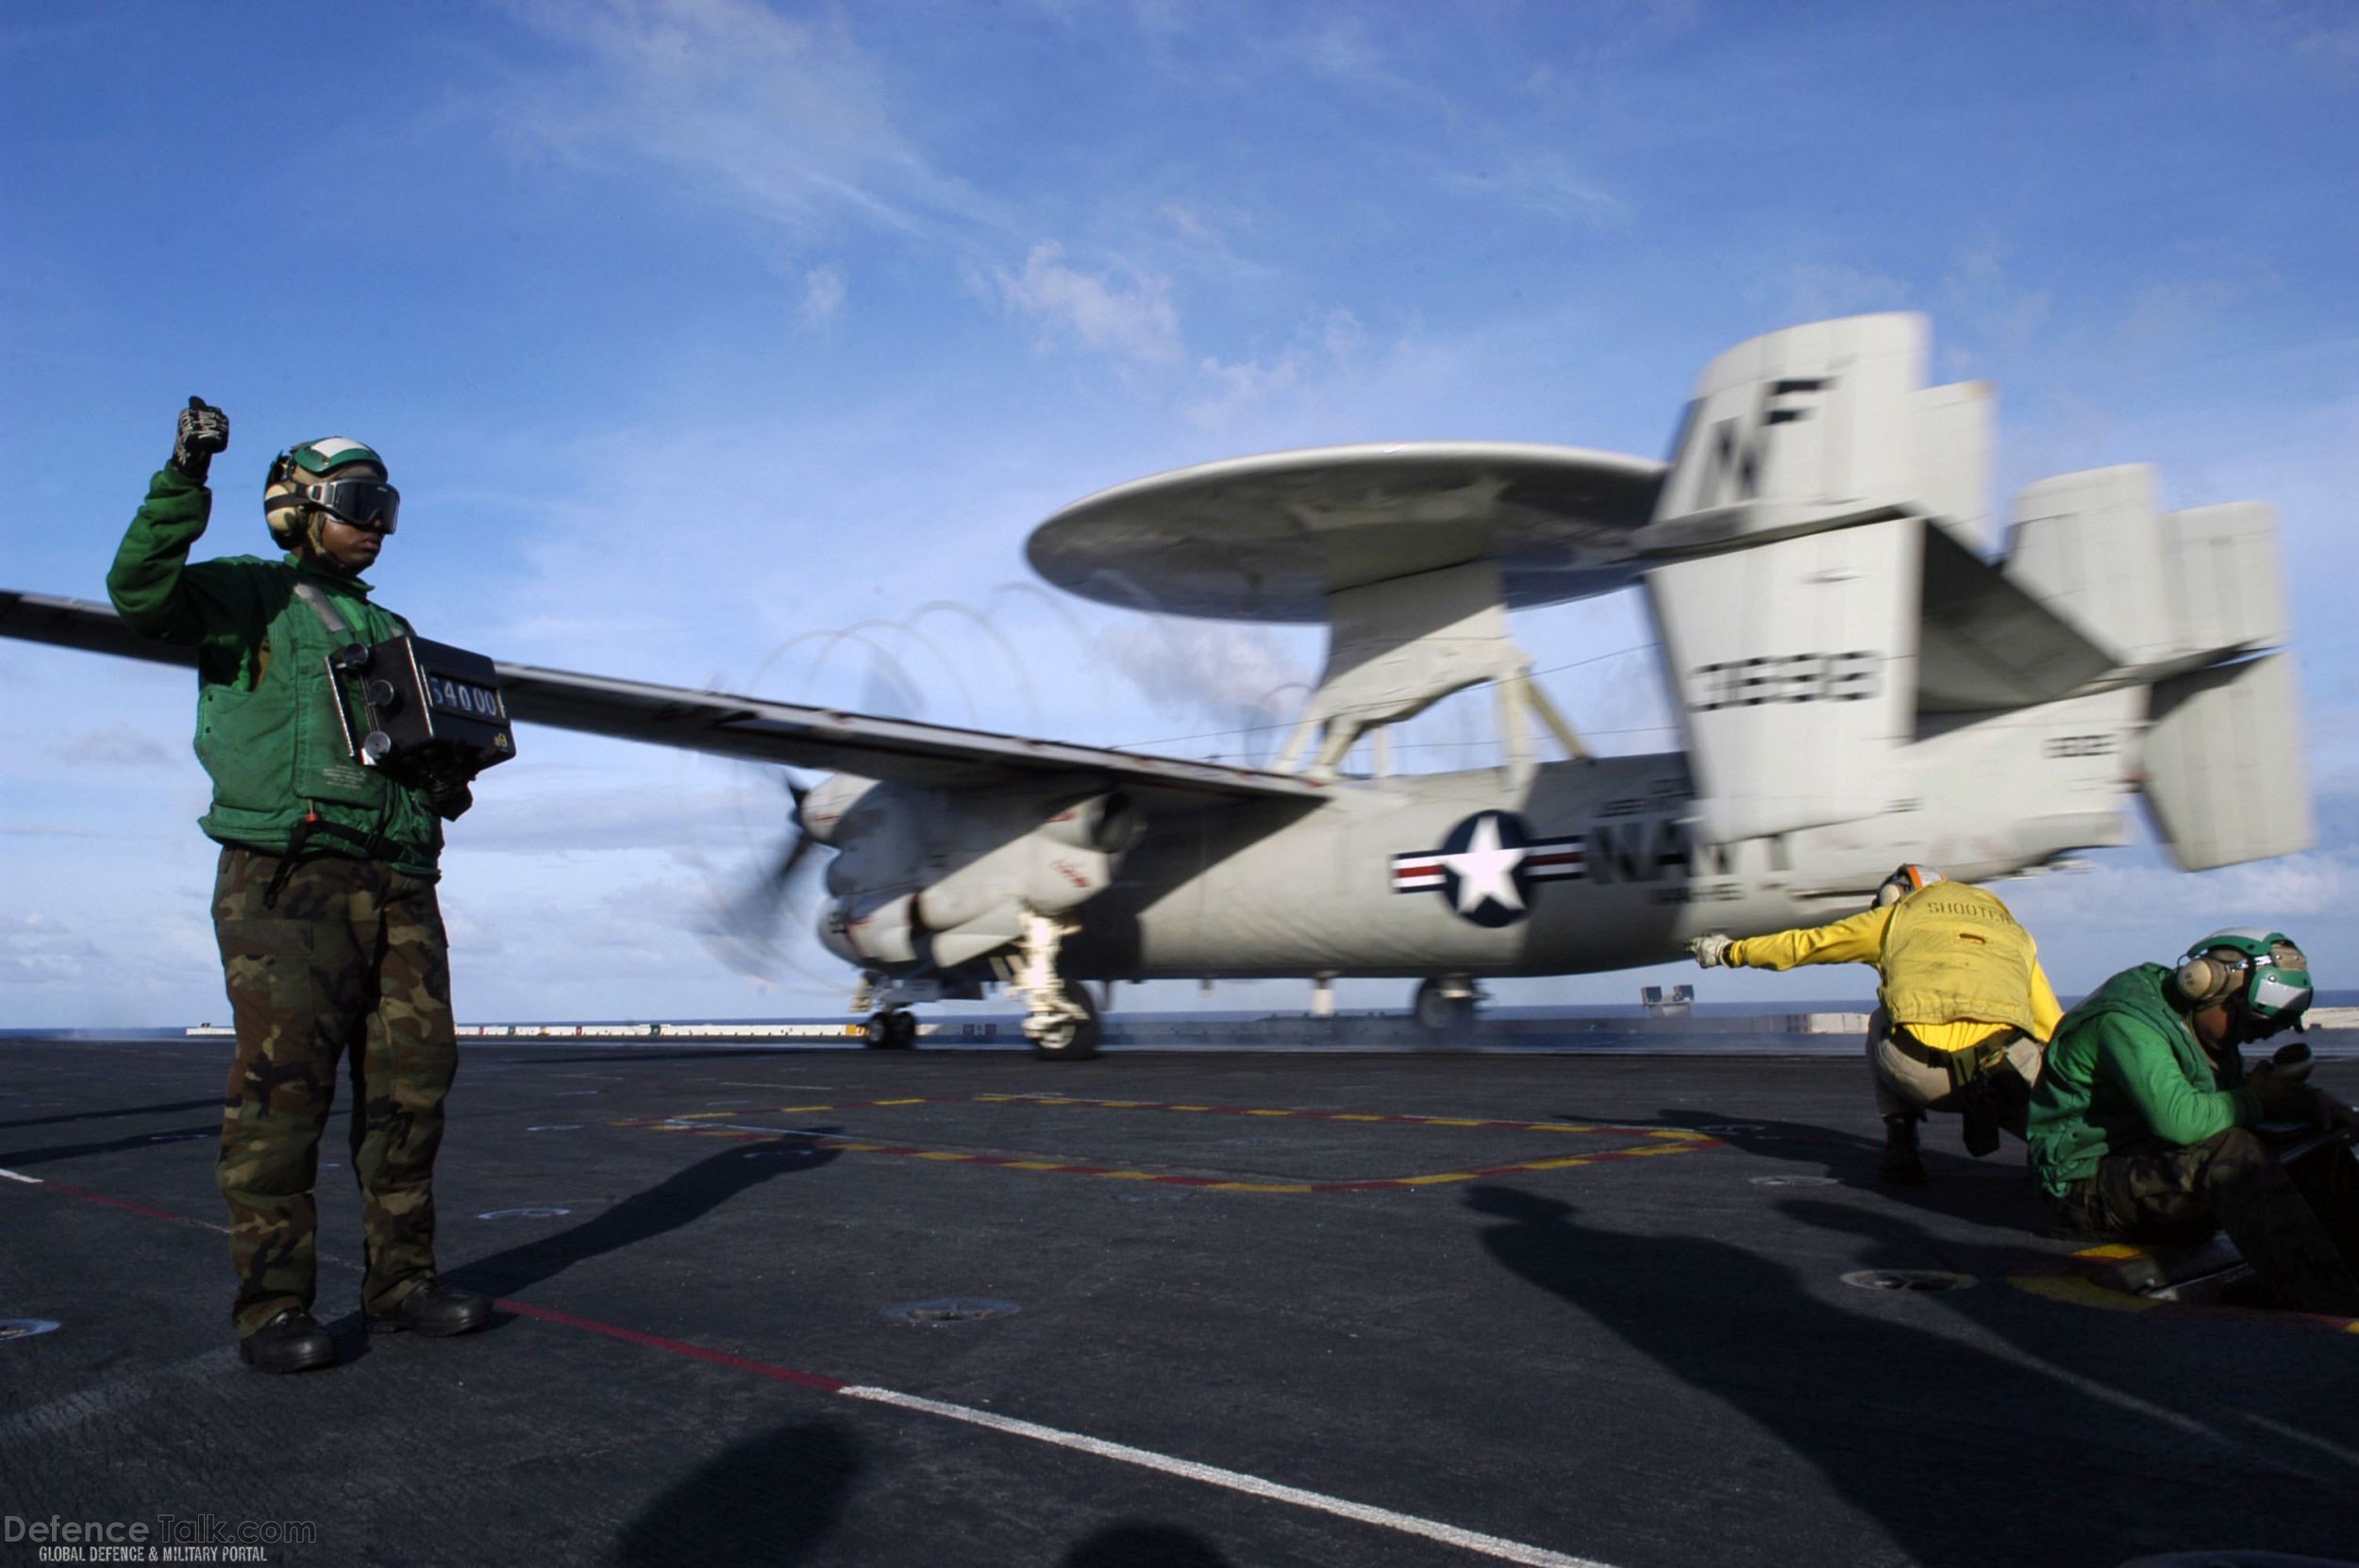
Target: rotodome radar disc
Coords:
[(1266, 538)]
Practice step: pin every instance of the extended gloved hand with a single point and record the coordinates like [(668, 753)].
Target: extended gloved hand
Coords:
[(204, 430), (1712, 949)]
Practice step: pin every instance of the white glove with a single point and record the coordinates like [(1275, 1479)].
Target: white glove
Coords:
[(1712, 950)]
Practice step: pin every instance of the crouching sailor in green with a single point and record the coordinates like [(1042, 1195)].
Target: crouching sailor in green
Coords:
[(330, 936), (2144, 1122)]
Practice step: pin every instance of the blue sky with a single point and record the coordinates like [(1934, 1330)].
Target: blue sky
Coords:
[(692, 329)]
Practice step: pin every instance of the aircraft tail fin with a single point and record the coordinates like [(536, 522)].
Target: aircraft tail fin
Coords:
[(2182, 601), (2160, 592), (1792, 540), (2223, 764), (1820, 426), (1792, 661)]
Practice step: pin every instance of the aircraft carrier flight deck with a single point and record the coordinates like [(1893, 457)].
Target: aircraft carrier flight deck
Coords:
[(794, 1302)]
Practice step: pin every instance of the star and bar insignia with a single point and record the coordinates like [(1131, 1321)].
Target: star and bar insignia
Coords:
[(1487, 867)]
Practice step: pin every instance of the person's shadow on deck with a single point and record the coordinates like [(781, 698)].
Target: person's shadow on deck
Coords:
[(679, 1199)]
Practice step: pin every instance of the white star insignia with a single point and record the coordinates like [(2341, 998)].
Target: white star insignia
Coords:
[(1486, 869)]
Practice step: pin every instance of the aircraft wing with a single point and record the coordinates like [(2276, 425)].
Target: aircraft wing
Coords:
[(754, 728)]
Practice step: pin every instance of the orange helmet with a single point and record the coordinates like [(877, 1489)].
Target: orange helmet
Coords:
[(1908, 880)]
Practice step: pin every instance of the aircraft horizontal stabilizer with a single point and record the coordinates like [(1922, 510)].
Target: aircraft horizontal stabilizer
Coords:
[(754, 728), (1986, 644)]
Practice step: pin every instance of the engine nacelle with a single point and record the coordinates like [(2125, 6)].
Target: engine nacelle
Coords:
[(1108, 825), (839, 806), (873, 930), (1051, 863)]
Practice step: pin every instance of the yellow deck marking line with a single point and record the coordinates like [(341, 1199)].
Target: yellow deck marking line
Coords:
[(727, 1124)]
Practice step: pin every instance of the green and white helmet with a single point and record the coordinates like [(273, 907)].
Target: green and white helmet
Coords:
[(318, 475), (2264, 968)]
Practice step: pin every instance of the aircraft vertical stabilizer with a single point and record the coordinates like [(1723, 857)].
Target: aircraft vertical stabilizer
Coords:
[(2158, 591), (2182, 600), (1795, 664), (1821, 425), (1792, 528), (2223, 764)]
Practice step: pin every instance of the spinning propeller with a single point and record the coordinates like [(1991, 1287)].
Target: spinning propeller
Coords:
[(742, 930)]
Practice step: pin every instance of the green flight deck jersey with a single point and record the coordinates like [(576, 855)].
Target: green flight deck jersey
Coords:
[(2125, 1067), (267, 727)]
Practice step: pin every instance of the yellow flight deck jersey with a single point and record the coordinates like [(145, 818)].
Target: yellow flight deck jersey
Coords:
[(1956, 968)]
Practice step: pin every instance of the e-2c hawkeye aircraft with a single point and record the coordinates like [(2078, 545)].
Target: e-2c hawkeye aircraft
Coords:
[(1858, 686)]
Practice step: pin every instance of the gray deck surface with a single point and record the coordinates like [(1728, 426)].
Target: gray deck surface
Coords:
[(1633, 1361)]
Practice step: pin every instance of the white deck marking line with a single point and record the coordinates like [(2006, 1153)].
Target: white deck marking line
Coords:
[(29, 1181), (1407, 1524)]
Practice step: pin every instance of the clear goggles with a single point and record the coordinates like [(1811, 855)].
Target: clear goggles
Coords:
[(369, 504)]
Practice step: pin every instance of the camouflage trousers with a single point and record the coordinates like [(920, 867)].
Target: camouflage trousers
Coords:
[(2298, 1225), (352, 962)]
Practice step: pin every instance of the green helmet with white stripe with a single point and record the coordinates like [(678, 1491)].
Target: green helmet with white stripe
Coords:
[(314, 474)]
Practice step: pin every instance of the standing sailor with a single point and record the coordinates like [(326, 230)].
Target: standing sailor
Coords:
[(332, 939)]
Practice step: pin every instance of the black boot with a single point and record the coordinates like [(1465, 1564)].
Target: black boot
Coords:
[(292, 1341), (435, 1310), (1903, 1166)]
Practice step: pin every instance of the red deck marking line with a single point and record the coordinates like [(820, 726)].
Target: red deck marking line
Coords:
[(119, 1203), (680, 1347)]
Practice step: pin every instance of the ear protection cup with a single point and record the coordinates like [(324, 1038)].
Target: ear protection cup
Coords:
[(2201, 981)]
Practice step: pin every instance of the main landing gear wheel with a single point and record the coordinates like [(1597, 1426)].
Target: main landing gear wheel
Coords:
[(894, 1031), (1073, 1034), (1444, 1011)]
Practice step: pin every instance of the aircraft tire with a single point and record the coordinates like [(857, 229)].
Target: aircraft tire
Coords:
[(1071, 1038), (877, 1033), (1440, 1014), (901, 1030)]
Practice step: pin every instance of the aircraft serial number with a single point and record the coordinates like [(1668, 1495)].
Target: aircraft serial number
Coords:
[(1850, 676)]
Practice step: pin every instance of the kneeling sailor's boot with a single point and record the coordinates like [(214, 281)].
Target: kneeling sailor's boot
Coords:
[(435, 1310), (292, 1341), (1903, 1166)]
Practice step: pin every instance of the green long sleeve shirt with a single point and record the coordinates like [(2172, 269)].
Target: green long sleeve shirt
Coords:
[(2126, 1067)]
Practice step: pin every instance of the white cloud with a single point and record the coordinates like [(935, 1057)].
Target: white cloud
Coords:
[(117, 745), (823, 296), (1241, 683), (36, 950), (755, 109), (1131, 319), (1814, 290)]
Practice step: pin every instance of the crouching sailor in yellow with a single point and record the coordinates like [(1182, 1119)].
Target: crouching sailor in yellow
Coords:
[(1962, 1012)]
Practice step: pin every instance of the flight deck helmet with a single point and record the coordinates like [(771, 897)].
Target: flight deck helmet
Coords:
[(1906, 881), (326, 475), (2263, 970)]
